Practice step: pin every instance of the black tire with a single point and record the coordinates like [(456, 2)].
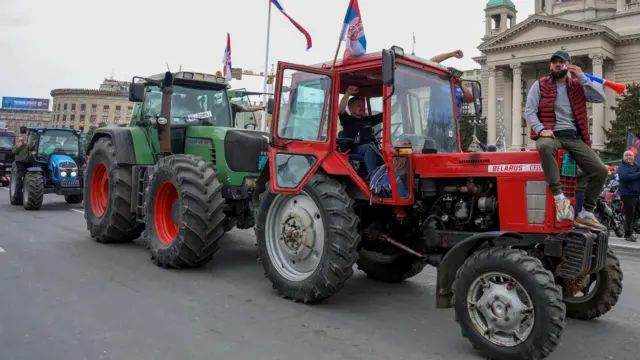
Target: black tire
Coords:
[(117, 223), (389, 268), (200, 217), (619, 230), (73, 199), (606, 295), (15, 194), (339, 252), (538, 282), (33, 191)]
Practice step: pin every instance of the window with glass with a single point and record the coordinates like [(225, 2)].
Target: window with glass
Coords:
[(6, 142), (58, 139), (304, 106), (190, 105), (422, 111)]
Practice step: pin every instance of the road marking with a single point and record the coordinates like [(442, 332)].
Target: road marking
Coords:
[(78, 211), (2, 250)]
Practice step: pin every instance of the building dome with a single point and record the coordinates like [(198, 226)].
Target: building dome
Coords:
[(497, 3)]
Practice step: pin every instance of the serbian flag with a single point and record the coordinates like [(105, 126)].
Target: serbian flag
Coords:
[(300, 28), (227, 59), (353, 32)]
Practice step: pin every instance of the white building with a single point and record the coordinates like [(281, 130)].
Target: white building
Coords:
[(602, 37)]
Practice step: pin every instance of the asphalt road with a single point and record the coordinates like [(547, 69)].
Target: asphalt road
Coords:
[(65, 297)]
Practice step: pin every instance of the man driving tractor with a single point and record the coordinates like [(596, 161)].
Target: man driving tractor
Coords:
[(556, 110), (358, 126)]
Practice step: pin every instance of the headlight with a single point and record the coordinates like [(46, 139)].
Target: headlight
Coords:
[(162, 120), (63, 173), (73, 174)]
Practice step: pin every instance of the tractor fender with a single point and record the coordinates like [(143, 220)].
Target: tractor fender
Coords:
[(35, 169), (454, 259), (122, 141)]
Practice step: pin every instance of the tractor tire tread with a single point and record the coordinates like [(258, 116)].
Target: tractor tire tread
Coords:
[(121, 226), (336, 266), (34, 184), (201, 228), (538, 277)]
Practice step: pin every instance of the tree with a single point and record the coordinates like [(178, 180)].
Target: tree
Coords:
[(627, 119)]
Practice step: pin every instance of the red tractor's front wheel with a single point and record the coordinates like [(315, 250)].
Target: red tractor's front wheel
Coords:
[(307, 243), (183, 212), (107, 193)]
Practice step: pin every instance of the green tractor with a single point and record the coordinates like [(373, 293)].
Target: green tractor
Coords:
[(179, 174)]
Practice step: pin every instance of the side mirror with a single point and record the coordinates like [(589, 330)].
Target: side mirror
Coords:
[(388, 67), (270, 106), (476, 90), (23, 129), (136, 92)]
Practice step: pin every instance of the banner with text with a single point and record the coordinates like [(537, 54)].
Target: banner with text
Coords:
[(15, 103)]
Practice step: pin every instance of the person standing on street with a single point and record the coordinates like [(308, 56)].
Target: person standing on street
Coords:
[(629, 191), (557, 113)]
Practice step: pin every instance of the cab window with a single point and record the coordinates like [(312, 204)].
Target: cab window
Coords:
[(304, 106)]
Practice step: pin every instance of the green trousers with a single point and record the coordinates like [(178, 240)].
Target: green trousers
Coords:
[(595, 171)]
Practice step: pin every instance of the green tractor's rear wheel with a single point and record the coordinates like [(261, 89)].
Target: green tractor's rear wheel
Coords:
[(33, 190), (183, 212), (107, 193)]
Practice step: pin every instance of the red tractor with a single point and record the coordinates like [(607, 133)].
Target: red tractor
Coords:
[(485, 220)]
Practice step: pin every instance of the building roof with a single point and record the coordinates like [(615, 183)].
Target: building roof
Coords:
[(497, 3)]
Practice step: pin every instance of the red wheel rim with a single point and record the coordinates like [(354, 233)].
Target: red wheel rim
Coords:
[(166, 196), (99, 190)]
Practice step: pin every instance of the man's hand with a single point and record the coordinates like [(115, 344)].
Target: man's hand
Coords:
[(457, 81), (575, 70), (352, 90), (457, 54), (547, 133)]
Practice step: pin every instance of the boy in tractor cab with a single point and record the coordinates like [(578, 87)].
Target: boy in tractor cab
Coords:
[(557, 113), (358, 126)]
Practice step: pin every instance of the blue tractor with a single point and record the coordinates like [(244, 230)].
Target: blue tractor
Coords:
[(53, 166)]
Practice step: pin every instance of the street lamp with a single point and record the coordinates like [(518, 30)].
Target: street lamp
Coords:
[(523, 88)]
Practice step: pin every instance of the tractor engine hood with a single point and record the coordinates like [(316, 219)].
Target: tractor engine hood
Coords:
[(242, 149)]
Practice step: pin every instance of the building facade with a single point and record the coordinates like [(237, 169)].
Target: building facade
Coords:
[(14, 119), (109, 105), (602, 37)]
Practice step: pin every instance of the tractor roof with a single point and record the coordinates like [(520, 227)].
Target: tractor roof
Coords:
[(376, 56), (4, 133), (194, 76)]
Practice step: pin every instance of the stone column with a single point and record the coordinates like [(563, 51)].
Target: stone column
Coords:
[(488, 23), (597, 141), (491, 105), (620, 5), (516, 114), (503, 22)]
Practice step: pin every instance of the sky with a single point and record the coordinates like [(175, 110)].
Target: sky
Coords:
[(46, 44)]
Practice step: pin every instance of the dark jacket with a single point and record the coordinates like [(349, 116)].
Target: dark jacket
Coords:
[(21, 152), (629, 176), (547, 112)]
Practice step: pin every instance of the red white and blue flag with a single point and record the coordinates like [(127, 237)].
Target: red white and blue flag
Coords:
[(300, 28), (353, 32), (227, 59)]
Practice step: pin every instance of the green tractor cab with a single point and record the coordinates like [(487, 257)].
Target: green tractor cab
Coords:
[(179, 174)]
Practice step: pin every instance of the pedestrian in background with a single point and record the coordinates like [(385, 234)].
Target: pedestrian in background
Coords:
[(629, 190)]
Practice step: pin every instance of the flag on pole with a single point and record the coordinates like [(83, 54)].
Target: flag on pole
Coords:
[(227, 59), (353, 32), (300, 28)]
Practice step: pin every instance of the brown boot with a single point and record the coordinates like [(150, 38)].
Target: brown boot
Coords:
[(590, 222)]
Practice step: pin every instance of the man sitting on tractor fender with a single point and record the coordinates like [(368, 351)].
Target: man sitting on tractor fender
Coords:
[(557, 113), (357, 123)]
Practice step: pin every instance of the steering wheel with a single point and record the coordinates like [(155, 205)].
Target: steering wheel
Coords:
[(394, 128)]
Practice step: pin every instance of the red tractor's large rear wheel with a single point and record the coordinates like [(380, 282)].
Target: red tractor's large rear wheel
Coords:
[(183, 212), (107, 193), (307, 243)]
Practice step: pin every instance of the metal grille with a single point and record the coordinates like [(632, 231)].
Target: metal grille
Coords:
[(70, 183)]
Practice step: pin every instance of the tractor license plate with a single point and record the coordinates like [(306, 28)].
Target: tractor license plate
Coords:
[(261, 161), (70, 183)]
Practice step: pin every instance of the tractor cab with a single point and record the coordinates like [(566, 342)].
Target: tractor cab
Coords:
[(419, 115), (44, 143), (7, 141), (241, 97)]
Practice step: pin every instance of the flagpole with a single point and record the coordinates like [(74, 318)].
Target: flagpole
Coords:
[(263, 126)]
